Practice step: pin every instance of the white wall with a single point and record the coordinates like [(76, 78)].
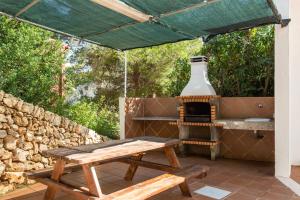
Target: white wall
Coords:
[(282, 109), (295, 81), (287, 89)]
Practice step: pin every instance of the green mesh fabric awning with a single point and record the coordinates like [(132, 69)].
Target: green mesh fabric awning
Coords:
[(128, 24)]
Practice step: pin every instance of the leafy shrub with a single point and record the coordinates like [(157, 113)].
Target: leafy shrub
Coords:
[(179, 77), (107, 123), (30, 62), (240, 64), (96, 116), (84, 113)]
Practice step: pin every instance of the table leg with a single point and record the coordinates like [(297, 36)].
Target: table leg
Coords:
[(56, 174), (185, 189), (91, 179), (132, 168), (172, 157), (174, 162)]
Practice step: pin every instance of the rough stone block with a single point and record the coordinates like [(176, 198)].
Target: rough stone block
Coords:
[(3, 118), (10, 101), (20, 155), (10, 142), (2, 109), (27, 108), (14, 177), (3, 134)]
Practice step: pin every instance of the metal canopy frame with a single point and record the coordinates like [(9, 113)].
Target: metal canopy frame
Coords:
[(140, 17)]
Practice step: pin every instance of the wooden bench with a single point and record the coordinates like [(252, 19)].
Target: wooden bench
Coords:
[(139, 191), (84, 158), (159, 184)]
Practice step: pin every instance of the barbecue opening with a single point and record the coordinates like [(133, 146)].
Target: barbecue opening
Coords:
[(197, 112)]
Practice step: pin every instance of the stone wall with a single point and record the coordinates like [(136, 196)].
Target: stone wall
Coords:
[(27, 130)]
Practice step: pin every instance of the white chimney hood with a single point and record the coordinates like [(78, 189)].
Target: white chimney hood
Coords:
[(198, 84)]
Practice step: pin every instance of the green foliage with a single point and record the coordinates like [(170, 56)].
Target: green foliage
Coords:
[(108, 123), (107, 118), (242, 63), (147, 74), (106, 70), (84, 113), (30, 62), (179, 77), (149, 68), (96, 115)]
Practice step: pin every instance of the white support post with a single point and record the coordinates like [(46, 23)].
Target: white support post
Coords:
[(282, 105), (287, 91), (282, 94), (122, 101), (125, 74), (122, 117), (294, 34)]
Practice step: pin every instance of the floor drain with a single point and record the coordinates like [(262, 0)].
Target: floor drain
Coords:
[(212, 192)]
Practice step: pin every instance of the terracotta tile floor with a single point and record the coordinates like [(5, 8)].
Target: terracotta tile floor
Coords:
[(295, 173), (246, 180)]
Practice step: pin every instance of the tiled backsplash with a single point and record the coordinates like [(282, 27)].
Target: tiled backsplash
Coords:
[(244, 107), (236, 144)]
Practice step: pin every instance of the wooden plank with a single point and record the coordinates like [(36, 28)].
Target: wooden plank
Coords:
[(171, 155), (185, 189), (56, 174), (111, 150), (157, 185), (150, 165), (132, 168), (123, 9), (91, 179), (194, 171), (82, 195), (174, 162), (46, 173), (147, 188), (27, 7), (167, 168)]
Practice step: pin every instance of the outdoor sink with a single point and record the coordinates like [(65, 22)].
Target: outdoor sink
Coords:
[(258, 120)]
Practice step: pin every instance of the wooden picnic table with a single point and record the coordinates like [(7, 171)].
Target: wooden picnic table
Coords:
[(130, 151)]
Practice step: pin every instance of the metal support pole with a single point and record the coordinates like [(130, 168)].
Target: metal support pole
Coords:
[(125, 74)]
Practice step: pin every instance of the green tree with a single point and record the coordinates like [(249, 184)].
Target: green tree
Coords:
[(179, 77), (102, 66), (149, 68), (96, 115), (242, 63), (30, 62), (147, 74)]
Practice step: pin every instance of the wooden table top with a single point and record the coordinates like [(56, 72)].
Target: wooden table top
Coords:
[(110, 150)]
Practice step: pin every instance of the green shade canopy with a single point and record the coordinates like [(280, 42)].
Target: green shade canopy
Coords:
[(166, 20)]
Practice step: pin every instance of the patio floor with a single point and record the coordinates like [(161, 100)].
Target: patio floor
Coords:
[(245, 179)]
